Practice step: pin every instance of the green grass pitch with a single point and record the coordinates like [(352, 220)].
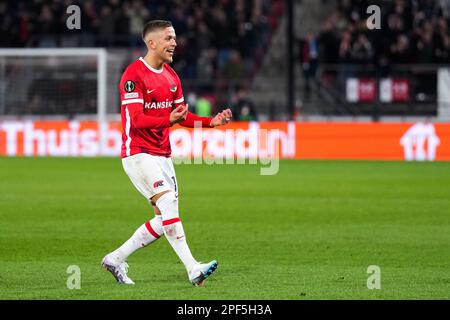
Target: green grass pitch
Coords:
[(309, 232)]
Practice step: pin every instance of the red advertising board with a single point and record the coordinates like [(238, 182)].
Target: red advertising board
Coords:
[(294, 140), (367, 90)]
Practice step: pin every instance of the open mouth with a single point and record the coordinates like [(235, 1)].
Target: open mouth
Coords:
[(170, 51)]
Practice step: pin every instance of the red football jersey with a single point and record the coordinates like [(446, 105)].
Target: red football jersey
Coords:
[(148, 96)]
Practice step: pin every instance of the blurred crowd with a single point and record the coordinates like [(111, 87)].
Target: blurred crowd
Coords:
[(411, 32), (217, 40)]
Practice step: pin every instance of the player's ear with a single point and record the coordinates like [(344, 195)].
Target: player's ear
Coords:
[(150, 43)]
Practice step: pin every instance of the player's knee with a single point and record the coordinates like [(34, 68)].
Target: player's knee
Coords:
[(168, 205), (155, 198)]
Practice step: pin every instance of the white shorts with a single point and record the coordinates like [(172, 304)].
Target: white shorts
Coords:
[(150, 174)]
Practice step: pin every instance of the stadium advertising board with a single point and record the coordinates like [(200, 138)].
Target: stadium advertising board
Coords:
[(390, 90), (361, 90), (308, 140), (394, 90)]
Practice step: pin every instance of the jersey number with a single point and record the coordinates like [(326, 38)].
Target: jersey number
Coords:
[(175, 183)]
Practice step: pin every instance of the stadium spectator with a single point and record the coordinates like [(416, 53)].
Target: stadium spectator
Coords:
[(243, 107), (234, 69), (90, 21), (46, 26), (328, 43), (424, 47), (138, 15), (345, 48), (8, 27), (443, 49), (206, 69), (122, 25), (362, 51), (107, 27), (400, 51), (308, 58), (24, 26), (204, 37)]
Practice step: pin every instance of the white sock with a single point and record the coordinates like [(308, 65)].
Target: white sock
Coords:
[(143, 236), (173, 229)]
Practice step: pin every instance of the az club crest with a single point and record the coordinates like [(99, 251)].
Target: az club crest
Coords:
[(173, 88)]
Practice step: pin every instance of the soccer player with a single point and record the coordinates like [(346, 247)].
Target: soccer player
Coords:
[(152, 101)]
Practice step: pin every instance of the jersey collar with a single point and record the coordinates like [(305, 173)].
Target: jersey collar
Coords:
[(151, 69)]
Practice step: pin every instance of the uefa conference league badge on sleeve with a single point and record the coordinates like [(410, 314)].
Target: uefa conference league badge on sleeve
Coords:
[(129, 86)]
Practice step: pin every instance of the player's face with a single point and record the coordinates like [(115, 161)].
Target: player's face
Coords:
[(165, 44)]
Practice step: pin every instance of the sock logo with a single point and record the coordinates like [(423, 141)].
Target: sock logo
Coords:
[(159, 183)]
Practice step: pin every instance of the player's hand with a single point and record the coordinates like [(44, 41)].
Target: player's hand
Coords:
[(221, 118), (179, 114)]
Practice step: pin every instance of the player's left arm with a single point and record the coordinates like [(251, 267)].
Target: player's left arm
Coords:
[(192, 119), (220, 119)]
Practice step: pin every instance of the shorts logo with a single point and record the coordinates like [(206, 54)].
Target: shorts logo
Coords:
[(129, 86), (159, 183), (173, 88)]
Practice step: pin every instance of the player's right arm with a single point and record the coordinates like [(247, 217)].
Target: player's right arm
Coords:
[(132, 100)]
